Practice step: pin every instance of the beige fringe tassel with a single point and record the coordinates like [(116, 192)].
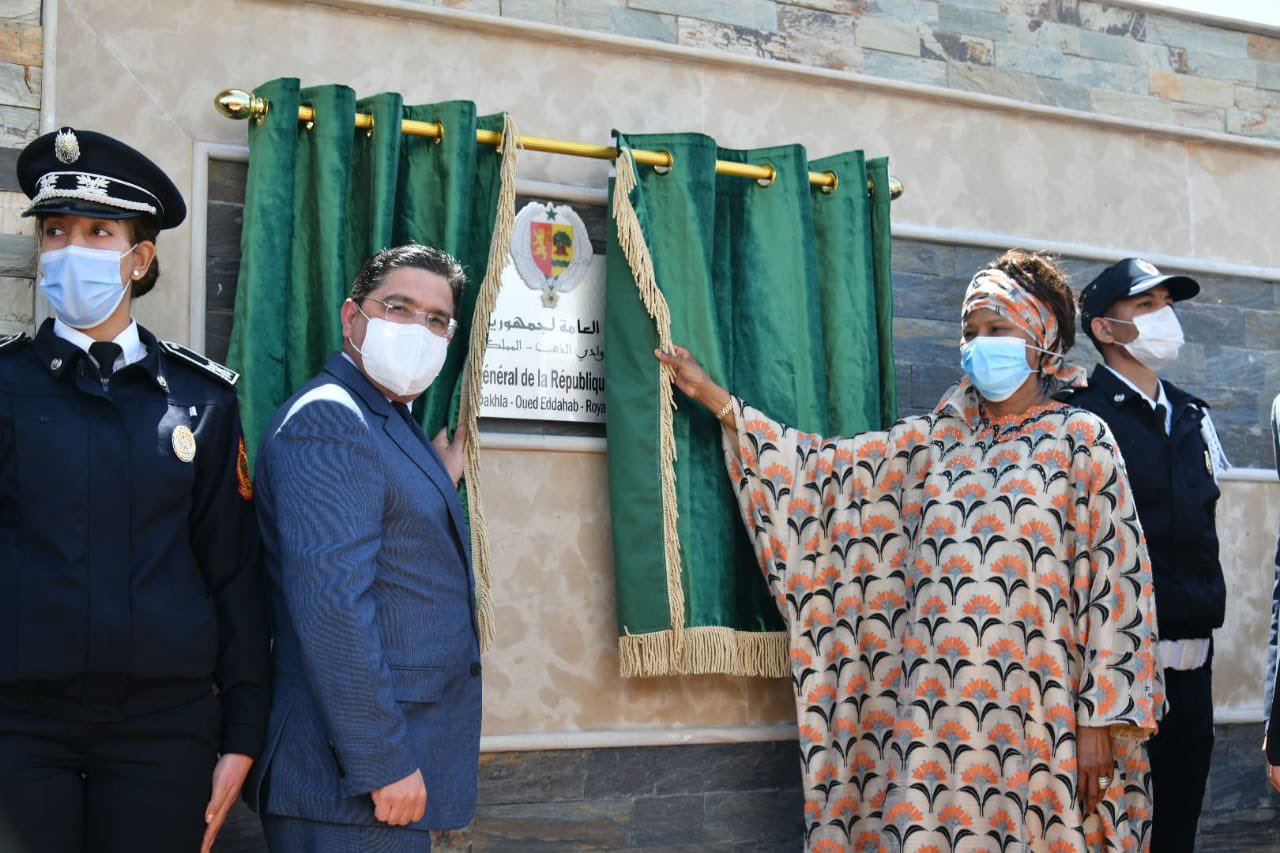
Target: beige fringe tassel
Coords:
[(681, 650), (631, 241), (473, 377), (705, 650)]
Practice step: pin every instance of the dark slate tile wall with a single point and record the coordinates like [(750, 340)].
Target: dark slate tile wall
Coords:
[(718, 798), (733, 798), (1231, 358)]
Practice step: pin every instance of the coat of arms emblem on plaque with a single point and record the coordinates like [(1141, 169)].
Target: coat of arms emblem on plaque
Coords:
[(550, 249)]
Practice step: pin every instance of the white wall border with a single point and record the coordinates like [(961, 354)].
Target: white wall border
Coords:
[(762, 733), (605, 739), (1224, 21), (201, 154), (511, 27), (1085, 251)]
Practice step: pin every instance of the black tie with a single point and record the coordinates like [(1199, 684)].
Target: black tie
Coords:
[(105, 353), (1161, 411), (414, 427)]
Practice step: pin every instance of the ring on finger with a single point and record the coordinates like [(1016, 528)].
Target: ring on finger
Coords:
[(1104, 781)]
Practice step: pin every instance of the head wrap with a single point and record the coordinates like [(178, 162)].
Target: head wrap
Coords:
[(997, 291)]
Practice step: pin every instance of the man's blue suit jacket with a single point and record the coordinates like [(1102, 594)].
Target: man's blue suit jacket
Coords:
[(377, 663)]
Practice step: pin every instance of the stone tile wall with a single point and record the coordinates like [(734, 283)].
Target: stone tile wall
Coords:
[(1080, 54), (733, 798), (21, 55)]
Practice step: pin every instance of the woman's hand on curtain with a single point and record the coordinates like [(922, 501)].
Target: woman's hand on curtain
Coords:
[(451, 452), (1095, 765), (693, 381)]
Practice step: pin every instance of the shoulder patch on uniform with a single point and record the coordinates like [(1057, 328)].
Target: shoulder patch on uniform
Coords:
[(218, 371), (11, 342)]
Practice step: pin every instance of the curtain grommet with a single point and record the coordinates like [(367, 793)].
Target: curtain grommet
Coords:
[(439, 137), (259, 107), (770, 179), (665, 170), (368, 131), (828, 189)]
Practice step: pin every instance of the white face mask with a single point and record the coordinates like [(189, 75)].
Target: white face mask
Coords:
[(1159, 338), (404, 358)]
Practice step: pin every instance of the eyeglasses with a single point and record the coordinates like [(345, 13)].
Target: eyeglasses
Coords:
[(440, 325)]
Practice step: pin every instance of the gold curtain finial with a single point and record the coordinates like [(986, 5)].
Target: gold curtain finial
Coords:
[(239, 104)]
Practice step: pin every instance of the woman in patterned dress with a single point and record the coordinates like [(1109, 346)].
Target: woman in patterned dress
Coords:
[(968, 599)]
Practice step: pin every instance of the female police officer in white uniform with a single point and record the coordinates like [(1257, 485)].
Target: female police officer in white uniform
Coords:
[(129, 578)]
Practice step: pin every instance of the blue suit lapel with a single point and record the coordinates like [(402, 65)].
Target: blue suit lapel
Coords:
[(420, 453)]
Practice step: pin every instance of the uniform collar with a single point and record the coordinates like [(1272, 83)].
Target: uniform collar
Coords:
[(131, 347), (58, 350), (1118, 391), (1161, 399)]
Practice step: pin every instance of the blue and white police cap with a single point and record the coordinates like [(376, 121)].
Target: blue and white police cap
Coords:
[(84, 173)]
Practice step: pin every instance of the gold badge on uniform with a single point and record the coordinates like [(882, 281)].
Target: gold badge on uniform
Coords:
[(184, 443)]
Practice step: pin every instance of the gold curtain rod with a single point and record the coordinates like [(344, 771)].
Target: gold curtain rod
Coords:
[(239, 104)]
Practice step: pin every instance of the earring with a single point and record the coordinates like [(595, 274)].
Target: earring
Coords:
[(137, 273)]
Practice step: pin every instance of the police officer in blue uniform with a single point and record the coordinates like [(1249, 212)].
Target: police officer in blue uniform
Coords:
[(1172, 455), (133, 628)]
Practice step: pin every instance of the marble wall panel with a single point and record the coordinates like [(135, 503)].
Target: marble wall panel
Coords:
[(555, 665)]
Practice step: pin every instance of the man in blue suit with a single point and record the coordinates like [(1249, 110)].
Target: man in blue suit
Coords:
[(375, 722)]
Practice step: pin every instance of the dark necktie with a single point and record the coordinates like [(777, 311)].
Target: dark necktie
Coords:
[(105, 354), (407, 417), (1161, 414)]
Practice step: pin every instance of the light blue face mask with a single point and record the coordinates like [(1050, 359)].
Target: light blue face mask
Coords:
[(997, 367), (83, 285)]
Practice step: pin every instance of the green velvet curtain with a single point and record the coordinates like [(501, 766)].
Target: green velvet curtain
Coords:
[(783, 292), (320, 200)]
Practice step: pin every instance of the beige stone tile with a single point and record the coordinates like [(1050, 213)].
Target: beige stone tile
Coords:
[(21, 43), (12, 204), (887, 35), (1195, 90), (17, 304), (555, 667), (1230, 209)]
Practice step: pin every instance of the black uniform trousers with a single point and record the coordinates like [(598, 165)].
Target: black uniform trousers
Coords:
[(135, 786), (1180, 754)]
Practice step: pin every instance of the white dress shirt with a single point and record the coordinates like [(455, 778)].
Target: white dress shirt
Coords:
[(131, 346)]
